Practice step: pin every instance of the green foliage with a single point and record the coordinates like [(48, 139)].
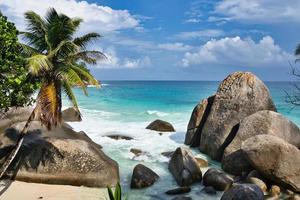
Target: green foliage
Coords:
[(16, 85), (118, 193)]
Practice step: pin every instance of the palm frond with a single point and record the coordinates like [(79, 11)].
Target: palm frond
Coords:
[(85, 39), (64, 49), (38, 63), (36, 31), (71, 77), (90, 57), (28, 51), (85, 74), (49, 104), (68, 91), (76, 22), (60, 27)]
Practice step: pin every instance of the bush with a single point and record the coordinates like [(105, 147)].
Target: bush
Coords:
[(16, 86)]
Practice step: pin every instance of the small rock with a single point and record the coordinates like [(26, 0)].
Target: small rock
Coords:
[(259, 183), (296, 197), (289, 192), (209, 190), (201, 162), (143, 177), (168, 154), (184, 167), (182, 198), (71, 115), (243, 192), (119, 137), (160, 125), (275, 190), (136, 152), (179, 190), (217, 179), (254, 174)]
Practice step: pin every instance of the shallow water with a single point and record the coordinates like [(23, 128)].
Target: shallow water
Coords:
[(127, 107)]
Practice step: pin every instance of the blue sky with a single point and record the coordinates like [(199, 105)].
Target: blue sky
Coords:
[(182, 39)]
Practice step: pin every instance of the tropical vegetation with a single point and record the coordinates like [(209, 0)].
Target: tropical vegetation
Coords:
[(117, 195), (16, 84), (58, 59)]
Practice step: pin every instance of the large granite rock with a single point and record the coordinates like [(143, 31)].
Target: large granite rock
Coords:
[(160, 125), (217, 179), (197, 121), (243, 192), (143, 177), (59, 156), (262, 122), (239, 95), (71, 115), (184, 167), (275, 159)]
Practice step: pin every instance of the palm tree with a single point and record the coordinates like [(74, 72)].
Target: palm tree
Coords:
[(59, 60)]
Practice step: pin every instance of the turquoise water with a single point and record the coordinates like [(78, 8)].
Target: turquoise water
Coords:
[(127, 107)]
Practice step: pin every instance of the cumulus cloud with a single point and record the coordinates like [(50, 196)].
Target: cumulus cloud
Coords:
[(114, 62), (238, 52), (266, 11), (177, 46), (208, 33), (96, 17)]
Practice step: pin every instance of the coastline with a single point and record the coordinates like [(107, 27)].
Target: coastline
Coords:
[(30, 191)]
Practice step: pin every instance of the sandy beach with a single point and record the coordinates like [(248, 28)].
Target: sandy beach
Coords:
[(30, 191)]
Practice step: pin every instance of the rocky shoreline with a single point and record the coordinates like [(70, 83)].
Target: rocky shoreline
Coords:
[(238, 127)]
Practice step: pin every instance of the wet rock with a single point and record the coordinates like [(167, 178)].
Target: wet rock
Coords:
[(275, 190), (239, 95), (182, 198), (217, 179), (184, 167), (168, 154), (243, 192), (136, 152), (119, 137), (261, 184), (143, 177), (196, 123), (201, 162), (179, 190), (276, 159), (160, 125), (209, 190), (71, 115), (261, 122)]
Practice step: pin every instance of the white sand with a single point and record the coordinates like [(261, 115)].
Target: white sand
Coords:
[(32, 191)]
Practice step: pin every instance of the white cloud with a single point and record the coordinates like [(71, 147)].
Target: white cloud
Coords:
[(209, 33), (96, 17), (265, 11), (192, 20), (114, 62), (238, 52), (175, 46)]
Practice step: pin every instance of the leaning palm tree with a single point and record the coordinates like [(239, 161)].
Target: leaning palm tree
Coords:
[(59, 60)]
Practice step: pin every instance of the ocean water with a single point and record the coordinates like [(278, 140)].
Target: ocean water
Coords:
[(127, 107)]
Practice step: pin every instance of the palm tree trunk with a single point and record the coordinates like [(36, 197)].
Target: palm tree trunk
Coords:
[(19, 143)]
